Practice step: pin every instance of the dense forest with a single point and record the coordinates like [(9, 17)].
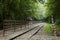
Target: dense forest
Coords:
[(36, 9), (19, 9)]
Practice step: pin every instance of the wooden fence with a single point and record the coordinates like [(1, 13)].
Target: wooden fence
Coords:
[(7, 24), (13, 23)]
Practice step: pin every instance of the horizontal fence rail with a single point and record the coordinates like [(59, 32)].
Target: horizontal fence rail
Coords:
[(14, 24)]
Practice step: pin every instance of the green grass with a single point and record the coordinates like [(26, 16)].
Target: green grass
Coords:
[(47, 28)]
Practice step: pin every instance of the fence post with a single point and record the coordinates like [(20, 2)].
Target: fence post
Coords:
[(14, 25), (3, 28)]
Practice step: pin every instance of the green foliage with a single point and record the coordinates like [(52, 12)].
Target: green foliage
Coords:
[(52, 7), (47, 28), (49, 7), (57, 21), (20, 9), (48, 19), (38, 14)]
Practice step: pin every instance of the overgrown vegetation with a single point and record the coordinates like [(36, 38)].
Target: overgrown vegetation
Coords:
[(52, 7), (36, 9), (47, 28)]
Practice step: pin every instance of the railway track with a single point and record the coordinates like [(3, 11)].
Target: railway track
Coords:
[(28, 34)]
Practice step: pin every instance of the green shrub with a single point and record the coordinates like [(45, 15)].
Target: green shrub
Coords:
[(47, 28)]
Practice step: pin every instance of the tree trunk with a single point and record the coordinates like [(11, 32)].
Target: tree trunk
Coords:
[(52, 19), (53, 26)]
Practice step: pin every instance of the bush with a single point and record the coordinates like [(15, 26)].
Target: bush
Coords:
[(47, 28)]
